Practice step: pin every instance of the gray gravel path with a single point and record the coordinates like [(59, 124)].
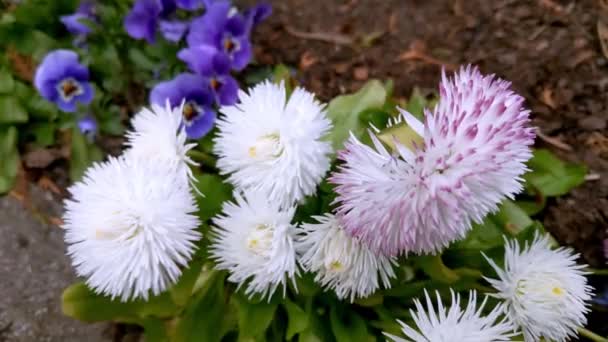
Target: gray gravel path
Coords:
[(33, 272)]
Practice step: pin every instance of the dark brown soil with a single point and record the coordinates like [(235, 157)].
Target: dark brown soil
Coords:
[(549, 49)]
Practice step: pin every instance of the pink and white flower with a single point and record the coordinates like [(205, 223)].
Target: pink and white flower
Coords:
[(420, 198)]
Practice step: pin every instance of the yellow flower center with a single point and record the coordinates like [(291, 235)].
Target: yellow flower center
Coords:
[(266, 147), (259, 240)]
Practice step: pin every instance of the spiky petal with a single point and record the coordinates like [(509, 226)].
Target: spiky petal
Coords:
[(253, 240), (420, 198), (455, 324), (159, 134), (545, 291), (275, 145), (341, 262), (130, 226)]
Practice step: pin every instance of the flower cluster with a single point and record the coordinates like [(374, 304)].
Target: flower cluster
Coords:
[(419, 198), (407, 196), (133, 240), (218, 44), (544, 296)]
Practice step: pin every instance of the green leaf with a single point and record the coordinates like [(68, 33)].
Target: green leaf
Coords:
[(282, 73), (483, 236), (7, 84), (416, 104), (348, 326), (9, 164), (254, 318), (513, 218), (11, 110), (551, 176), (43, 133), (138, 58), (344, 111), (112, 125), (182, 290), (83, 154), (40, 108), (204, 316), (215, 192), (403, 134), (297, 319), (154, 329), (80, 302), (434, 267)]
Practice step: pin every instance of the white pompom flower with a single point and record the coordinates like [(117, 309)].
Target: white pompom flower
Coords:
[(425, 194), (276, 146), (545, 291), (253, 240), (341, 262), (130, 227), (455, 324), (159, 133)]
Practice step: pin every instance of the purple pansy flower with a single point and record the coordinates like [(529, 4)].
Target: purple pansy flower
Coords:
[(173, 30), (189, 5), (224, 29), (214, 67), (142, 21), (147, 16), (197, 111), (60, 78), (74, 23), (257, 14), (88, 126)]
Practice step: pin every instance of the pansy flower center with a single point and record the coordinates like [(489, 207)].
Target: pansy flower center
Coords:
[(215, 84), (69, 88), (230, 45), (191, 111), (259, 240)]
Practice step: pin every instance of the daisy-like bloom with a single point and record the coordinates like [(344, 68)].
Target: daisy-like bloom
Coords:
[(130, 227), (422, 196), (455, 324), (159, 133), (545, 291), (341, 262), (270, 144), (254, 242)]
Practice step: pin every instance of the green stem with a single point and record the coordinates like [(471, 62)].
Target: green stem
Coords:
[(483, 288), (598, 272), (203, 158), (591, 335)]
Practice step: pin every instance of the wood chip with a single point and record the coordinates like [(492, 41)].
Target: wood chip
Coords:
[(554, 142), (602, 33), (417, 51), (307, 59), (546, 97), (328, 37), (361, 73)]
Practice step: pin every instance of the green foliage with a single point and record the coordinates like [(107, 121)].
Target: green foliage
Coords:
[(80, 302), (254, 317), (83, 153), (215, 193), (11, 111), (345, 111), (10, 158), (551, 176)]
